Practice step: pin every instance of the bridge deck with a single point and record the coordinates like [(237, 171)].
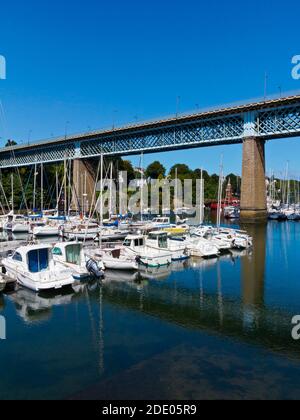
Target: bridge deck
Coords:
[(268, 119)]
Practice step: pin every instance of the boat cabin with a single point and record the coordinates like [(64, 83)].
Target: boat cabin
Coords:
[(134, 241), (159, 239), (70, 252), (161, 221), (34, 258)]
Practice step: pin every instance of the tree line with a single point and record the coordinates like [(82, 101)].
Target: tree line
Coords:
[(22, 180)]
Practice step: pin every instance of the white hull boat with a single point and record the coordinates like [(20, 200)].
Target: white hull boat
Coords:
[(135, 245), (71, 255), (33, 267), (115, 259), (238, 239), (160, 240), (80, 232), (200, 247), (45, 231)]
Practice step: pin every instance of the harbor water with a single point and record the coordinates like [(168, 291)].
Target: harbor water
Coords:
[(200, 329)]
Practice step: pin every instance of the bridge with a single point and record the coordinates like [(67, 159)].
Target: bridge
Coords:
[(250, 124)]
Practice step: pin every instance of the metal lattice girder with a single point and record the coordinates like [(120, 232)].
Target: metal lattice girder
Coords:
[(229, 128), (39, 155), (279, 121), (266, 120)]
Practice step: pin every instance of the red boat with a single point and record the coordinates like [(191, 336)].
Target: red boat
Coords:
[(229, 200)]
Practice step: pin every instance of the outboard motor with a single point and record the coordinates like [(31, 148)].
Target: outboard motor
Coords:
[(93, 269)]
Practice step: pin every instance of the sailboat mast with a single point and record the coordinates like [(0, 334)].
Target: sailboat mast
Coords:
[(101, 191), (42, 187), (201, 199), (176, 193), (56, 175), (110, 192), (65, 187), (12, 193), (34, 187), (142, 186), (220, 195)]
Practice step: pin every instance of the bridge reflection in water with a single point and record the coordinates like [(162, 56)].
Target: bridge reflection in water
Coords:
[(208, 306)]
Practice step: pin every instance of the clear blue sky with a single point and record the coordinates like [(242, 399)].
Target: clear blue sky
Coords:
[(92, 62)]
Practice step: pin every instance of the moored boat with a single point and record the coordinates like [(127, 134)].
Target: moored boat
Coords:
[(33, 266)]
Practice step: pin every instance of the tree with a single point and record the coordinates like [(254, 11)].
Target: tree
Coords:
[(126, 166), (156, 170), (183, 171), (11, 143)]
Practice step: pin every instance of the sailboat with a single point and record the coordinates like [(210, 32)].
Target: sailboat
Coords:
[(15, 223)]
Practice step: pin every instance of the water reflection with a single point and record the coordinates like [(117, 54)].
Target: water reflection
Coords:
[(242, 297), (36, 308), (253, 276)]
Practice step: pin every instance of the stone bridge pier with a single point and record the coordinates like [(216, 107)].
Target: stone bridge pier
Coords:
[(83, 185), (253, 194)]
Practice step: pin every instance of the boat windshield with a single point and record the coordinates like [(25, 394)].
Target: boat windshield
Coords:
[(152, 236), (38, 260), (163, 241), (73, 253)]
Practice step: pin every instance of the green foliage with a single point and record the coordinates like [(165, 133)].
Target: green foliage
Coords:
[(11, 143), (156, 170)]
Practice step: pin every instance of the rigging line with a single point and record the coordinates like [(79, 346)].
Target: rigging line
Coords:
[(19, 176), (94, 192), (93, 200), (27, 184), (51, 188), (4, 194), (60, 194), (68, 175), (76, 195)]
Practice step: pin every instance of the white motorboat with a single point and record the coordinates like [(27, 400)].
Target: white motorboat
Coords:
[(16, 224), (71, 255), (45, 231), (114, 259), (199, 247), (237, 238), (135, 245), (208, 233), (81, 231), (232, 212), (33, 267), (160, 240), (160, 223), (111, 234)]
